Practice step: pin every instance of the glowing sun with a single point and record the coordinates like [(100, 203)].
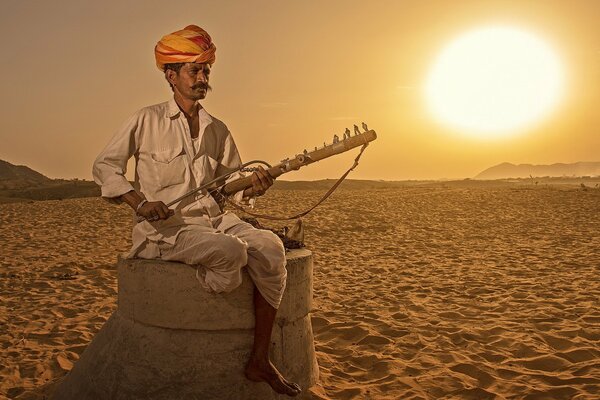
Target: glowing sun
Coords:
[(494, 81)]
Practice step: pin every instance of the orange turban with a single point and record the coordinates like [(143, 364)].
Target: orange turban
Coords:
[(191, 44)]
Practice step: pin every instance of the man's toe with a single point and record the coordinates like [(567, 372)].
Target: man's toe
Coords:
[(295, 387)]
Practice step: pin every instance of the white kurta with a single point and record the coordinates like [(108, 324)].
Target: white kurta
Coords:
[(167, 166)]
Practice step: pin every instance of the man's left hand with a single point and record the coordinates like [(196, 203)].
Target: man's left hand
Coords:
[(261, 181)]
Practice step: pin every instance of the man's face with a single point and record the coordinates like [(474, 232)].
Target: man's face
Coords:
[(192, 80)]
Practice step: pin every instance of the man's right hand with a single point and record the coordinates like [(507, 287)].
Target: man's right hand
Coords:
[(155, 210)]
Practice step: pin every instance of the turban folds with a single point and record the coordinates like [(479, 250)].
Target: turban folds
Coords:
[(191, 44)]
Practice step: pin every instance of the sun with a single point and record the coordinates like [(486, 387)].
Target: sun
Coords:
[(494, 81)]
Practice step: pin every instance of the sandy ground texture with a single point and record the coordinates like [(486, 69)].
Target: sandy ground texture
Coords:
[(420, 292)]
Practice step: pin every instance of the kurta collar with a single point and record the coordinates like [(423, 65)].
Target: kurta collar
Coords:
[(173, 111), (204, 116), (173, 108)]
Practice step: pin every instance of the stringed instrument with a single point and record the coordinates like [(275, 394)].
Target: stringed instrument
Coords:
[(338, 146)]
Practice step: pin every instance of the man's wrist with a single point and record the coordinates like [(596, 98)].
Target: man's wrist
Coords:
[(140, 205)]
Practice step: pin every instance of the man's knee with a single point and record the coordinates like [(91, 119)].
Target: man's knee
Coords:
[(268, 247), (226, 252), (268, 241), (225, 262), (233, 251)]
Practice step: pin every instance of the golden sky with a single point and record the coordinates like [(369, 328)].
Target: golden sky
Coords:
[(288, 76)]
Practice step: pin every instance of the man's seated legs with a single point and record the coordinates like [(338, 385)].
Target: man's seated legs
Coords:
[(220, 256), (266, 266), (266, 257)]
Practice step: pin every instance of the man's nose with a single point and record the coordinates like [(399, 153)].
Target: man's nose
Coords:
[(202, 77)]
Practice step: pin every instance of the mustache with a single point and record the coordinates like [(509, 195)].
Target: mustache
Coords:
[(205, 86)]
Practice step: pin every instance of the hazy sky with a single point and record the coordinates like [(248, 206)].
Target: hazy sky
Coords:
[(289, 74)]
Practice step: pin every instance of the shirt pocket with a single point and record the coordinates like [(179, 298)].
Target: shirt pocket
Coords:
[(207, 167), (169, 166)]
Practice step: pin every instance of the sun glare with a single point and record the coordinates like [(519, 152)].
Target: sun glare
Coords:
[(494, 81)]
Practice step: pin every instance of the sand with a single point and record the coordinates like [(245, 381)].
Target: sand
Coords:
[(420, 292)]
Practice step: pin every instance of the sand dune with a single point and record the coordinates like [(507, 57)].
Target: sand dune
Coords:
[(420, 292)]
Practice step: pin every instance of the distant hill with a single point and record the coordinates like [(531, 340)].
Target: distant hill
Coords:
[(508, 170), (21, 183), (19, 176)]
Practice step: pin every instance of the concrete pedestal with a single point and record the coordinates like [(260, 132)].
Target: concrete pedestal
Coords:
[(169, 339)]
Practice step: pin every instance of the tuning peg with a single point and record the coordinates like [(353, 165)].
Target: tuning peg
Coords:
[(364, 126), (356, 131), (336, 138), (347, 133)]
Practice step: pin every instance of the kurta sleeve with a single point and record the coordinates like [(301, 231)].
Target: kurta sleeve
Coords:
[(230, 161), (111, 164)]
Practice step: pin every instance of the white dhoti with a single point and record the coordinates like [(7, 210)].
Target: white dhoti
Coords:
[(221, 251)]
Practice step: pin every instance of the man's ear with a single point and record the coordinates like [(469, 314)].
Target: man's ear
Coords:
[(170, 76)]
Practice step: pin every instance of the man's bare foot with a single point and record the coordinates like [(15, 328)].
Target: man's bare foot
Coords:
[(266, 372)]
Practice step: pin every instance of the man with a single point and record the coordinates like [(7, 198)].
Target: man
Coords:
[(178, 146)]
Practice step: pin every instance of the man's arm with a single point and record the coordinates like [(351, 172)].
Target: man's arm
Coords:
[(151, 210), (111, 164), (109, 173)]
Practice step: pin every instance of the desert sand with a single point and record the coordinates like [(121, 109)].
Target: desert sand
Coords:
[(421, 292)]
